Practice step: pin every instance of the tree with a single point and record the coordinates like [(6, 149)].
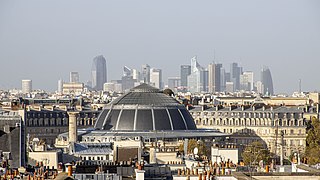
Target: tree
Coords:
[(168, 92), (193, 143), (254, 153), (312, 152)]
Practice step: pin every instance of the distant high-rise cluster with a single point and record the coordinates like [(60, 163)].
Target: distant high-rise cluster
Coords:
[(133, 77), (195, 78)]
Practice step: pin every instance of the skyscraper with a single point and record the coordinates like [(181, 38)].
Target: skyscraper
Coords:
[(185, 71), (74, 77), (156, 77), (145, 73), (266, 80), (60, 85), (222, 79), (99, 72), (214, 77), (136, 75), (246, 81), (127, 80), (26, 86), (127, 71), (235, 72), (174, 82), (197, 78)]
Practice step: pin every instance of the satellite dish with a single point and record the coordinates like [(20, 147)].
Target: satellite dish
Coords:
[(195, 150)]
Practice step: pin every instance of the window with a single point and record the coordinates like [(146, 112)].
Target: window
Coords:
[(291, 131)]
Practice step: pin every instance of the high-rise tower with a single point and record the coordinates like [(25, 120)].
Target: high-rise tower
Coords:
[(197, 80), (235, 72), (145, 73), (266, 80), (185, 71), (74, 77), (156, 77), (26, 86), (214, 73), (99, 72)]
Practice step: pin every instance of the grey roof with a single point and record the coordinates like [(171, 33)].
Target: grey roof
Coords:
[(276, 109), (145, 108), (145, 95), (92, 148), (159, 134)]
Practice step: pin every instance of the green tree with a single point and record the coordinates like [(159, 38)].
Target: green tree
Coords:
[(168, 92), (254, 153), (312, 152), (193, 143)]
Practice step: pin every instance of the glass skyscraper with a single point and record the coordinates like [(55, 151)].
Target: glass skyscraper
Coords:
[(197, 80), (185, 71), (99, 72), (266, 80)]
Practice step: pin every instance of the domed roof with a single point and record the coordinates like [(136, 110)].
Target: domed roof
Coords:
[(145, 108)]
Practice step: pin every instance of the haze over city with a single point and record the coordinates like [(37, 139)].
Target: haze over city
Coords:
[(44, 41)]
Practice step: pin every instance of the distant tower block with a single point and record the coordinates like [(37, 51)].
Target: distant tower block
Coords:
[(73, 126)]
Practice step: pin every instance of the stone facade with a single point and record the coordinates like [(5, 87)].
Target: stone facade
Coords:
[(252, 123), (48, 124)]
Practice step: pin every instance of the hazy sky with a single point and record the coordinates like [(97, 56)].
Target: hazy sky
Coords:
[(45, 40)]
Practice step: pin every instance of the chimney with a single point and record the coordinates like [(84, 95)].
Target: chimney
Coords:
[(6, 129), (203, 107), (73, 126)]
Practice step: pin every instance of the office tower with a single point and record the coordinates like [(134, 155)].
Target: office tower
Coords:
[(174, 82), (89, 84), (246, 81), (260, 87), (185, 71), (99, 72), (127, 83), (127, 71), (222, 79), (145, 76), (197, 78), (60, 85), (229, 87), (156, 78), (227, 76), (74, 77), (214, 77), (235, 72), (136, 74), (205, 80), (26, 86), (266, 80)]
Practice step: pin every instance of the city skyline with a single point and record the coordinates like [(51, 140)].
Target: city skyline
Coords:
[(250, 33)]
